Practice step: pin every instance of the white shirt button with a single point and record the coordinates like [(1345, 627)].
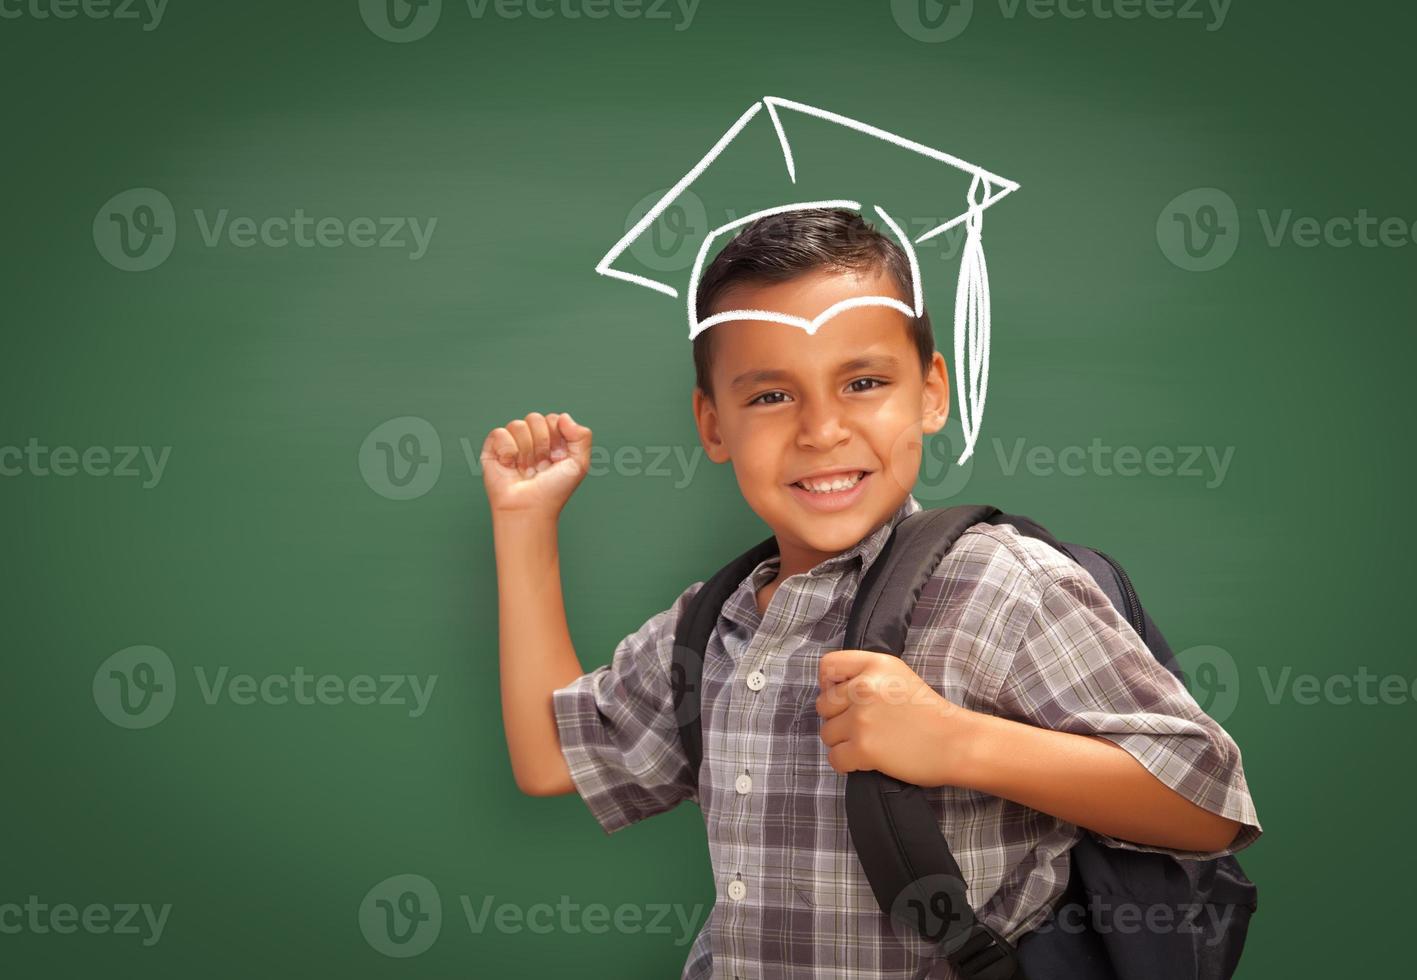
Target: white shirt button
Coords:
[(757, 680), (743, 784), (737, 890)]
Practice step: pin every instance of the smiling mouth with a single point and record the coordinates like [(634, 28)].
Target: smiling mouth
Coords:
[(836, 484)]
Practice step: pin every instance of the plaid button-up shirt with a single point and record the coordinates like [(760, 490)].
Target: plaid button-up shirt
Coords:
[(1006, 626)]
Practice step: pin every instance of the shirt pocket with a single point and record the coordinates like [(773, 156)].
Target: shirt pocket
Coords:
[(809, 752), (822, 863)]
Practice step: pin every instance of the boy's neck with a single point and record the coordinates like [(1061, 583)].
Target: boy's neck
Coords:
[(795, 561)]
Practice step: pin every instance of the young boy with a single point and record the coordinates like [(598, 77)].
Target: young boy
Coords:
[(1029, 708)]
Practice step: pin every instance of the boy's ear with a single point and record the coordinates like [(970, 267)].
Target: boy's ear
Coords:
[(706, 418), (935, 396)]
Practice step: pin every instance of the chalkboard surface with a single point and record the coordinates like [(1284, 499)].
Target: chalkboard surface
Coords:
[(270, 272)]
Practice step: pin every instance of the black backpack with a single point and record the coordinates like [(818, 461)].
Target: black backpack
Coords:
[(913, 875)]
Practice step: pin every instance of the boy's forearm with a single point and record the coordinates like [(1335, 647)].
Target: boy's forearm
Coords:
[(535, 651), (1085, 780)]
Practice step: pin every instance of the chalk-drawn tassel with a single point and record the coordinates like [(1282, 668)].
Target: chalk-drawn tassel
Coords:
[(971, 337)]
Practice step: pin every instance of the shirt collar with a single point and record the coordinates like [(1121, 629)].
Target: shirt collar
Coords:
[(742, 606)]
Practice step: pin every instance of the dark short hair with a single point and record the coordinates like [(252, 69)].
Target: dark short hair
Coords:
[(780, 247)]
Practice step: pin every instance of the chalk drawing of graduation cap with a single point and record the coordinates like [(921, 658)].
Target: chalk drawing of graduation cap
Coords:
[(972, 308)]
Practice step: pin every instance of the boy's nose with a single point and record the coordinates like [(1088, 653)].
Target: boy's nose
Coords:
[(821, 426)]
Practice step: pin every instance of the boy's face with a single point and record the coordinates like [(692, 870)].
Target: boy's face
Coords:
[(849, 399)]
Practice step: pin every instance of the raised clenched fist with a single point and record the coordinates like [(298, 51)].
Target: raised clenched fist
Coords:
[(533, 465)]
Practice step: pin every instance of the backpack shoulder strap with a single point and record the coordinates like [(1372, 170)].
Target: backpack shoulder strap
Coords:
[(913, 875), (691, 636), (891, 586)]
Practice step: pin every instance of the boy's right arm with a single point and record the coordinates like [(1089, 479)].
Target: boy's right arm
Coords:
[(530, 468)]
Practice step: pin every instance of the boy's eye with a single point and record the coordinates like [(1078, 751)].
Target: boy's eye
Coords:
[(873, 384)]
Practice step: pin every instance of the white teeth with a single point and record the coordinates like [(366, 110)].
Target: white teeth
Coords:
[(832, 486)]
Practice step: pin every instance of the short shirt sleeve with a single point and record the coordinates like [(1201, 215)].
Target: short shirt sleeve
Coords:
[(618, 731), (1081, 668)]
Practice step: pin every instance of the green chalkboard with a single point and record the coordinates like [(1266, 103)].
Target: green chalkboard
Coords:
[(271, 271)]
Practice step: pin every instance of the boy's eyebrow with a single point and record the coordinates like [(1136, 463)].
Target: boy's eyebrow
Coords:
[(878, 362)]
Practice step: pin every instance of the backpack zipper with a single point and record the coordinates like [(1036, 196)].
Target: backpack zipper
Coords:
[(1134, 613)]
